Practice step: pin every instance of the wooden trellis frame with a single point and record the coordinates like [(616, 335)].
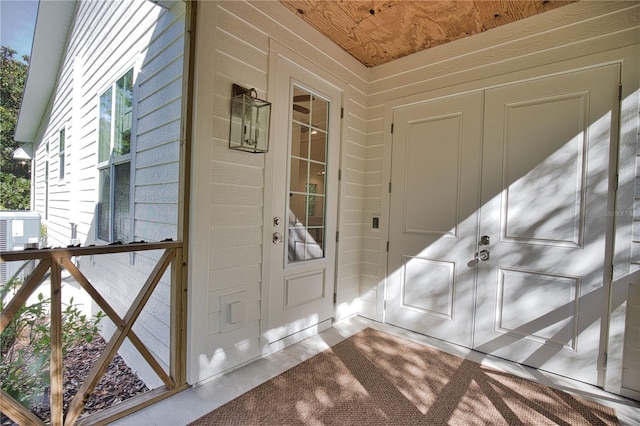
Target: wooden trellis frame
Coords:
[(53, 260)]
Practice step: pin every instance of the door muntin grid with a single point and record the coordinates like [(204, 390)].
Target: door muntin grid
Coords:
[(309, 135)]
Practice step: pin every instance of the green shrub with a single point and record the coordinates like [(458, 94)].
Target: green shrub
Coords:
[(26, 341)]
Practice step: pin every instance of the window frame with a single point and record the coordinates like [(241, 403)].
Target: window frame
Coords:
[(114, 161), (62, 148), (47, 178)]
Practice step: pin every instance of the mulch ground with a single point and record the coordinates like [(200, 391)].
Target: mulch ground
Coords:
[(118, 384)]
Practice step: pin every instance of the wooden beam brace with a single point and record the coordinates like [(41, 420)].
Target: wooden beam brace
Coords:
[(17, 412), (77, 404), (112, 314), (57, 253), (23, 293), (90, 289), (124, 408)]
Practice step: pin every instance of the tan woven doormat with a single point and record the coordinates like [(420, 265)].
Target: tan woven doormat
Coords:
[(374, 378)]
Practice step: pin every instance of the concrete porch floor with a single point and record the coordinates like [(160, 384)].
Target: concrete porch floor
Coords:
[(193, 403)]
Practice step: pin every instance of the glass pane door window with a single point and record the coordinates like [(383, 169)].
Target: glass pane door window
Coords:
[(307, 170)]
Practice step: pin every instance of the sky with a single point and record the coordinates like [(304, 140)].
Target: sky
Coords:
[(17, 20)]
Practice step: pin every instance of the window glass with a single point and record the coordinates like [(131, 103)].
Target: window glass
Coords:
[(104, 205), (307, 169), (301, 105), (320, 115), (121, 222), (123, 114), (298, 172), (104, 130), (114, 163), (318, 150), (299, 140), (61, 153)]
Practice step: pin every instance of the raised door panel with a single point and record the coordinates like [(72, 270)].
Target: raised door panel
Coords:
[(545, 193), (433, 217)]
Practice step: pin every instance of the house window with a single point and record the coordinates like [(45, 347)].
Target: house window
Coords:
[(46, 181), (62, 143), (114, 160)]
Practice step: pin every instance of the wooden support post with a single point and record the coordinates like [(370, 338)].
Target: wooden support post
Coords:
[(56, 367), (178, 343)]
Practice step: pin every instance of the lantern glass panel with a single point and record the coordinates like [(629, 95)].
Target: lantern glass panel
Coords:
[(249, 124)]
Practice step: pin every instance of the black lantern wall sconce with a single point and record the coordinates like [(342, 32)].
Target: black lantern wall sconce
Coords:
[(250, 117)]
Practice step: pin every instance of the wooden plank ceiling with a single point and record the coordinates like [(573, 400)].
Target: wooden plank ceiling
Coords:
[(377, 31)]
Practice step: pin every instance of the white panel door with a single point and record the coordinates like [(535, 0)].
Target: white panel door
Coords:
[(434, 216), (306, 150), (545, 192), (538, 221)]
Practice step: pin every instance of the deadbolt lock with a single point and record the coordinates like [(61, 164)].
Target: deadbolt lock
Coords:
[(277, 238)]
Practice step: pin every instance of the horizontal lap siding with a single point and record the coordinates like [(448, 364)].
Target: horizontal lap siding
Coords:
[(236, 184), (350, 246), (374, 240), (227, 232), (107, 39), (158, 132)]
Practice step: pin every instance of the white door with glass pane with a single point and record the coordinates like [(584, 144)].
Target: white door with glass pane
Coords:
[(303, 219)]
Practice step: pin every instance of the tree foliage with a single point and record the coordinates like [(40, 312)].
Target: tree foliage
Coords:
[(14, 192), (14, 175)]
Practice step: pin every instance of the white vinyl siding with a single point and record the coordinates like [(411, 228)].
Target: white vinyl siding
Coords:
[(106, 39)]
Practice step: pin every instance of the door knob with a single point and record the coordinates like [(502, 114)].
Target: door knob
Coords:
[(277, 238), (481, 256)]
